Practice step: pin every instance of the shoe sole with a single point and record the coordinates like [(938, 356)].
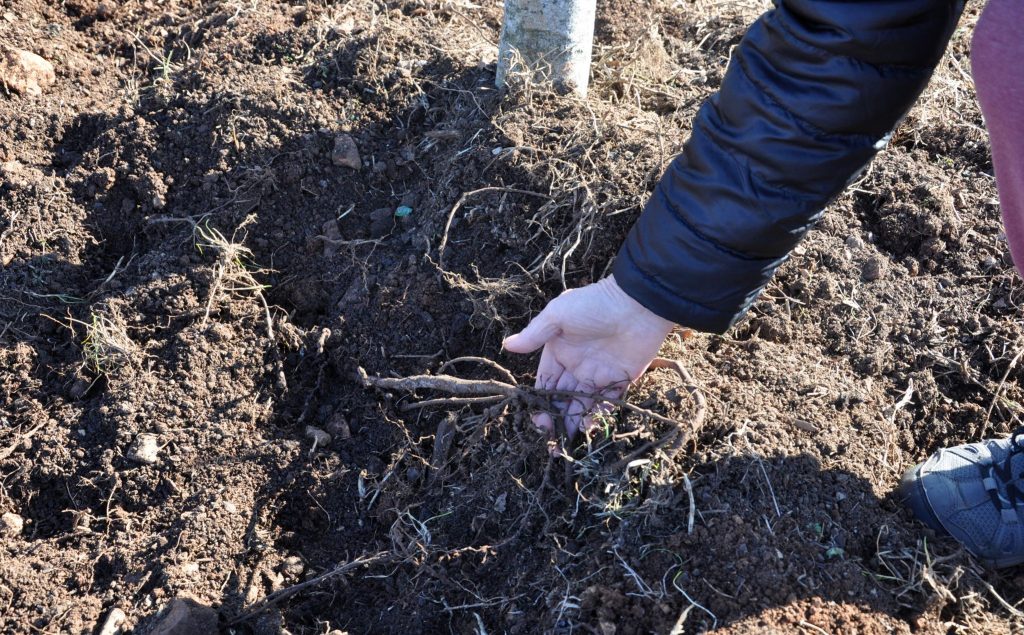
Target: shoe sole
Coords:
[(911, 493)]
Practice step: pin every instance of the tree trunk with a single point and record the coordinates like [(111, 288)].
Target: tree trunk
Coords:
[(551, 40)]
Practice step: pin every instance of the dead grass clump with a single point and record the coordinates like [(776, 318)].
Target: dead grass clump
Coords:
[(232, 274), (943, 577), (494, 300), (106, 346)]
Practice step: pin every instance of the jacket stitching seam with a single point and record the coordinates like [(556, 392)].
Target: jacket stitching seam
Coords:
[(755, 175), (814, 131), (883, 68), (725, 249), (653, 278)]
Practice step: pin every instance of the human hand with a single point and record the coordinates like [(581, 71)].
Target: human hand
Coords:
[(596, 341)]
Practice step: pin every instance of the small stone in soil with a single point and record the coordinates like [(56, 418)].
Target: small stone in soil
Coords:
[(145, 449), (345, 153), (112, 625), (11, 524), (24, 72), (338, 426)]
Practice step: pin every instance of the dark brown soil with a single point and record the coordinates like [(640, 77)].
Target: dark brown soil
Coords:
[(122, 313)]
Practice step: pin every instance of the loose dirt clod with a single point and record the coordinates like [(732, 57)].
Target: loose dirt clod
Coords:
[(292, 567), (11, 523), (145, 449), (19, 175), (319, 437), (106, 10), (185, 616), (875, 268), (338, 427), (24, 72)]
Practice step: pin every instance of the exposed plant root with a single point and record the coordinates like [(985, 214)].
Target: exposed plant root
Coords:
[(287, 592), (21, 438), (445, 383), (453, 401), (476, 391), (308, 402), (506, 373), (462, 199), (680, 433)]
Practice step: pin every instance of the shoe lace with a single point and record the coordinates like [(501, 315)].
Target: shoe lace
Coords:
[(1003, 472)]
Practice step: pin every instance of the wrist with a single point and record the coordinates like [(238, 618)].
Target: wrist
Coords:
[(648, 318)]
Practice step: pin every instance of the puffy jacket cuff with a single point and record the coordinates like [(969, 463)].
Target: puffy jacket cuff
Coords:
[(665, 303)]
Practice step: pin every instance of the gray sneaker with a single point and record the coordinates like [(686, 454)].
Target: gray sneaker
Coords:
[(975, 493)]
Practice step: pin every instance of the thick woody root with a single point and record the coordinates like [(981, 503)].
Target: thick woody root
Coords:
[(481, 391)]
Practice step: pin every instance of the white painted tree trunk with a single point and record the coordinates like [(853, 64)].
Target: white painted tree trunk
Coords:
[(550, 39)]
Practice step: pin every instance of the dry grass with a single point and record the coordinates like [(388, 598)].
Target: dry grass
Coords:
[(232, 275), (106, 346)]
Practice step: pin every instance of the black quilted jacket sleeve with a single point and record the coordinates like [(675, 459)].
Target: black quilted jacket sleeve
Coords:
[(811, 94)]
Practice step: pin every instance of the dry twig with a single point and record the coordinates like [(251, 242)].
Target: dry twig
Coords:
[(279, 596)]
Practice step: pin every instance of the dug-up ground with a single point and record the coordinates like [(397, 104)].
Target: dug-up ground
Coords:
[(213, 214)]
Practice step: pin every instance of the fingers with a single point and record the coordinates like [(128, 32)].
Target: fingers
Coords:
[(602, 410), (566, 383), (549, 370), (579, 406), (543, 422), (540, 329)]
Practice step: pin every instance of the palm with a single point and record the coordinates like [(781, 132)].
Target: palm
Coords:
[(595, 339)]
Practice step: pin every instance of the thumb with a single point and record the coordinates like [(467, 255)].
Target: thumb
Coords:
[(540, 329)]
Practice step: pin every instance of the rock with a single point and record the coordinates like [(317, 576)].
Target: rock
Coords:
[(875, 268), (338, 426), (606, 627), (24, 72), (804, 425), (319, 437), (145, 449), (112, 625), (345, 152), (185, 616), (11, 524)]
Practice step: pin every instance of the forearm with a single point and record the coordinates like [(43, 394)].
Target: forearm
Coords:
[(810, 96)]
